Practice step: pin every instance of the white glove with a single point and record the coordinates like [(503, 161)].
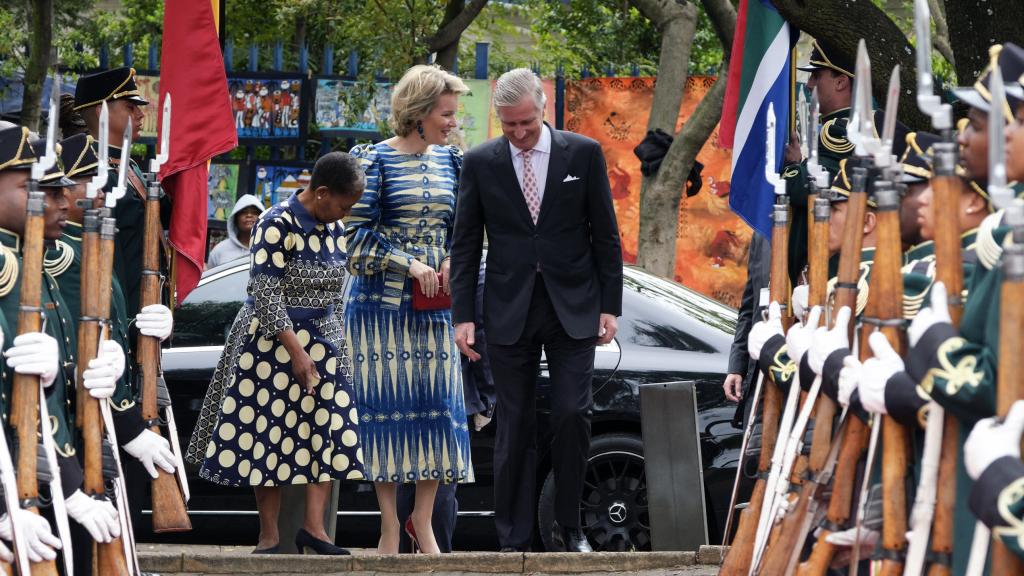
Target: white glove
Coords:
[(780, 513), (877, 371), (801, 335), (152, 450), (828, 341), (99, 517), (761, 332), (99, 379), (40, 542), (990, 440), (35, 353), (847, 538), (113, 350), (849, 375), (936, 313), (799, 300), (155, 320)]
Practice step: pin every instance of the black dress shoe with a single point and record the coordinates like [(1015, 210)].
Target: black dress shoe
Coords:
[(569, 539), (305, 541), (510, 549)]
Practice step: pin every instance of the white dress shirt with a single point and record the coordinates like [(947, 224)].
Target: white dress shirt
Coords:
[(539, 159)]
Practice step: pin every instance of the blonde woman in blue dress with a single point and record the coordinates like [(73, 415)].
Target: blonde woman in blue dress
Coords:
[(406, 372)]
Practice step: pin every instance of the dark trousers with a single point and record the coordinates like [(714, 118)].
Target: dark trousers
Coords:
[(571, 366), (446, 511)]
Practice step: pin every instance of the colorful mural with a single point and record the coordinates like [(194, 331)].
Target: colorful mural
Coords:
[(711, 252)]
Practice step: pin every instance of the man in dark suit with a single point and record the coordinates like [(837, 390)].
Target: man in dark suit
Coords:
[(553, 281)]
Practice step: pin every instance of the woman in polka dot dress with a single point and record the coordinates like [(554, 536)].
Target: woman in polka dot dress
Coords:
[(406, 369), (280, 408)]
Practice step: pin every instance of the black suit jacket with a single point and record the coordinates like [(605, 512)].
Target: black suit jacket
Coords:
[(575, 241)]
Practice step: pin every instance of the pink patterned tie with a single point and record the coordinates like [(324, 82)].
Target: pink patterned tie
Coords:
[(530, 192)]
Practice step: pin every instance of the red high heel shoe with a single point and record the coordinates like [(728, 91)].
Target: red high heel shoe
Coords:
[(410, 530)]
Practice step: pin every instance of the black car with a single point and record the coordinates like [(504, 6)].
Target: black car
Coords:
[(667, 333)]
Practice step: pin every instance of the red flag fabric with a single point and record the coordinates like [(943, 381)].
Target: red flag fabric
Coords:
[(730, 107), (202, 126)]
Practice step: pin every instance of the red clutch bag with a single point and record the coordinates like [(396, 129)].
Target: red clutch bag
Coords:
[(421, 302)]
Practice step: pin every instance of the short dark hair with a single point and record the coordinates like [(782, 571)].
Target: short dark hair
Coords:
[(338, 171)]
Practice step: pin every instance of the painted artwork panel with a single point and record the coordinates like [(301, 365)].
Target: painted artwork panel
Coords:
[(222, 184), (712, 245), (345, 105), (274, 183), (266, 108), (474, 114), (149, 86)]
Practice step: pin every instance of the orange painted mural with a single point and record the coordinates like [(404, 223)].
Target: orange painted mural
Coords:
[(712, 246)]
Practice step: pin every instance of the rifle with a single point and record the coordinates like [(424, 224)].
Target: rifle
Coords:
[(740, 556), (169, 497), (1009, 386), (26, 397), (108, 557)]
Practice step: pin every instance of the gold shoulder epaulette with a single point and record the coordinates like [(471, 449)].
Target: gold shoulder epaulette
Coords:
[(61, 261), (9, 270), (834, 139), (985, 245)]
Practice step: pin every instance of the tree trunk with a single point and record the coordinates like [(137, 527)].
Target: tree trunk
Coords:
[(41, 43), (446, 55), (974, 25), (659, 207), (457, 17), (844, 23)]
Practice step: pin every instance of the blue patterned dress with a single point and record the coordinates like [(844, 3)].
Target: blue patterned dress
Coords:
[(258, 427), (406, 371)]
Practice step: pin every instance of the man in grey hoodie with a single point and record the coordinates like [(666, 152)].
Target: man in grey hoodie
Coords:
[(243, 218)]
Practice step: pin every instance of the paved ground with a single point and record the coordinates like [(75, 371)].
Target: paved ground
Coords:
[(194, 560)]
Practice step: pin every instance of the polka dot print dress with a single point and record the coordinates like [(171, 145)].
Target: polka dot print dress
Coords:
[(267, 431)]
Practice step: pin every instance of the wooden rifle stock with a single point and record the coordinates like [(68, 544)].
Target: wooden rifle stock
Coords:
[(854, 439), (887, 303), (1010, 374), (107, 558), (169, 513), (948, 270), (25, 394), (788, 534), (738, 558)]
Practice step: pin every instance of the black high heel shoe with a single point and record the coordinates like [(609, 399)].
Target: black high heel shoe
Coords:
[(305, 541)]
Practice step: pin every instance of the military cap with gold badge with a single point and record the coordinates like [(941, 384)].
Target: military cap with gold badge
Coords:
[(842, 185), (917, 157), (78, 154), (54, 177), (16, 151), (115, 84), (824, 55), (1011, 63)]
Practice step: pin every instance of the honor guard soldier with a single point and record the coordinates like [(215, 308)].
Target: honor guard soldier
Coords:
[(16, 156)]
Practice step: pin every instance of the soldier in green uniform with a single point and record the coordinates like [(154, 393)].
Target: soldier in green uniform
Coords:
[(97, 516), (64, 263), (124, 101)]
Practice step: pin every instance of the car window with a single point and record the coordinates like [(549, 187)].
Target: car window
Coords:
[(663, 314), (205, 316)]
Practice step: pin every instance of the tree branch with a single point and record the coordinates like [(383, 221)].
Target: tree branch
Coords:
[(450, 32), (723, 18), (940, 40)]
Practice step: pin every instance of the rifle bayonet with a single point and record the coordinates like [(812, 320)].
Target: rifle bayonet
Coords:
[(165, 138), (1000, 193), (929, 102), (884, 158), (771, 173), (122, 169), (49, 158), (862, 122), (99, 181)]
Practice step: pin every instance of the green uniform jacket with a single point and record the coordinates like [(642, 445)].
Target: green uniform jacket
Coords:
[(64, 263), (60, 325)]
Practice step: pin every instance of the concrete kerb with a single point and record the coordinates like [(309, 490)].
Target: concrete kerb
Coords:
[(214, 560)]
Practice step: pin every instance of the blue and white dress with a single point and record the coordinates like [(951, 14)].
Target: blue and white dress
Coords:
[(258, 427), (406, 367)]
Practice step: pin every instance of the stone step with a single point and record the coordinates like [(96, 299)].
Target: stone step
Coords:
[(182, 560)]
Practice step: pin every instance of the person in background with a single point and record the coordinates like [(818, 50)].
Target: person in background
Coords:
[(243, 218)]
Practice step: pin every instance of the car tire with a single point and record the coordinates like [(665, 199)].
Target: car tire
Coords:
[(613, 510)]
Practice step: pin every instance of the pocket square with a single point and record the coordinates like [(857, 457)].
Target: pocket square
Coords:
[(571, 178)]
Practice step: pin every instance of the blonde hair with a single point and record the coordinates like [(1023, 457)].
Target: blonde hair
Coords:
[(417, 92)]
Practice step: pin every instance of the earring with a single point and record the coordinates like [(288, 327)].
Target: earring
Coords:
[(419, 129)]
